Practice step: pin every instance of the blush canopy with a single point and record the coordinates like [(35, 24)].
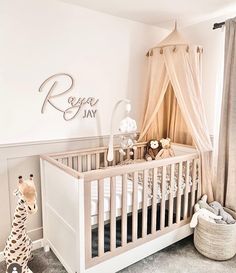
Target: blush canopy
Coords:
[(176, 62)]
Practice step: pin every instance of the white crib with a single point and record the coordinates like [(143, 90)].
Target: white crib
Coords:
[(102, 217)]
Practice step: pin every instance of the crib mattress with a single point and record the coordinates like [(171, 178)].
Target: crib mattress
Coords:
[(94, 196)]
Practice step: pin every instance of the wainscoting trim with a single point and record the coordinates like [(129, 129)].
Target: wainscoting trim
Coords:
[(22, 152), (36, 245)]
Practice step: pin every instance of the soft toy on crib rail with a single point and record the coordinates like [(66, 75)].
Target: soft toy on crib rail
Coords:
[(166, 150), (18, 249), (153, 148)]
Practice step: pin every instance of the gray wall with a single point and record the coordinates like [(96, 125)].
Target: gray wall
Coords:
[(23, 159)]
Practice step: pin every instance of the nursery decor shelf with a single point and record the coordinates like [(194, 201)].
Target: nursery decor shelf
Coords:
[(114, 213)]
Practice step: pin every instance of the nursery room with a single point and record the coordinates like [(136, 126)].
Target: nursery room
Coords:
[(117, 136)]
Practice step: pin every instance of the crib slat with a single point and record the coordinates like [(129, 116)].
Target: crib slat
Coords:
[(171, 200), (70, 161), (113, 214), (144, 210), (135, 207), (154, 200), (186, 190), (87, 215), (128, 153), (97, 161), (88, 162), (124, 210), (194, 169), (105, 159), (199, 189), (80, 163), (141, 152), (135, 153), (114, 159), (121, 157), (74, 163), (178, 210), (163, 199), (100, 217)]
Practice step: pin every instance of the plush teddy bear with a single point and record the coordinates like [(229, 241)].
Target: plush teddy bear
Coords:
[(153, 148), (166, 150)]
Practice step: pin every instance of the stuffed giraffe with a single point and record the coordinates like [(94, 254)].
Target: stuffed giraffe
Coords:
[(18, 248)]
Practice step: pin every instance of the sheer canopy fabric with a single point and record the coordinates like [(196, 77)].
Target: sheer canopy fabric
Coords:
[(180, 66), (169, 121)]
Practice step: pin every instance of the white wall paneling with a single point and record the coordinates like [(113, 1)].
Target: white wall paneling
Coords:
[(23, 159)]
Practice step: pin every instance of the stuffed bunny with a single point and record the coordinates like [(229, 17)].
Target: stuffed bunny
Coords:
[(219, 210), (204, 213)]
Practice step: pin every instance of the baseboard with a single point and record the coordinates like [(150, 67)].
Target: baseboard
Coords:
[(36, 245)]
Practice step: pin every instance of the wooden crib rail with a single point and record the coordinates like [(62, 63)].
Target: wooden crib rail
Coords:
[(154, 218), (123, 169), (87, 151), (62, 166)]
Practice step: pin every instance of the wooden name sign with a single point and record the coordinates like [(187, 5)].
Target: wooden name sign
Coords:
[(74, 105)]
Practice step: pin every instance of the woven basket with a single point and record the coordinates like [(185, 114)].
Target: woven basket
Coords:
[(216, 241)]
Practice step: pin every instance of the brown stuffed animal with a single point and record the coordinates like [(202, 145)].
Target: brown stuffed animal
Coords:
[(153, 148), (166, 150)]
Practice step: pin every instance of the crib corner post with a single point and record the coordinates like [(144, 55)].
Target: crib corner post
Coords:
[(45, 243), (80, 228)]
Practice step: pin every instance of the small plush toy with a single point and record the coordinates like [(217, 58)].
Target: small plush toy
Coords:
[(153, 148), (203, 213), (18, 248), (219, 210), (166, 150), (204, 205)]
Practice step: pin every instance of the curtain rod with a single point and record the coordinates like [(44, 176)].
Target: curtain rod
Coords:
[(218, 25)]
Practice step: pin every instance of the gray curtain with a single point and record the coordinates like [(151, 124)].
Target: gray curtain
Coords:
[(225, 191)]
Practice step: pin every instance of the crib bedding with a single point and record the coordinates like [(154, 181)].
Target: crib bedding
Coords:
[(94, 194)]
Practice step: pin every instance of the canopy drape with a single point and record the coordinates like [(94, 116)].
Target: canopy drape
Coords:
[(179, 64), (169, 121)]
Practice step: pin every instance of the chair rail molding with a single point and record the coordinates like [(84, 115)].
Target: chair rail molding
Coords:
[(22, 159)]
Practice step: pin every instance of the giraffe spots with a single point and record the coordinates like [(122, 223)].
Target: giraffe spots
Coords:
[(23, 249), (15, 224), (17, 216), (12, 251), (13, 241)]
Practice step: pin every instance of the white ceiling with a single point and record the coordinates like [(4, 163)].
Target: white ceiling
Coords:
[(162, 13)]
